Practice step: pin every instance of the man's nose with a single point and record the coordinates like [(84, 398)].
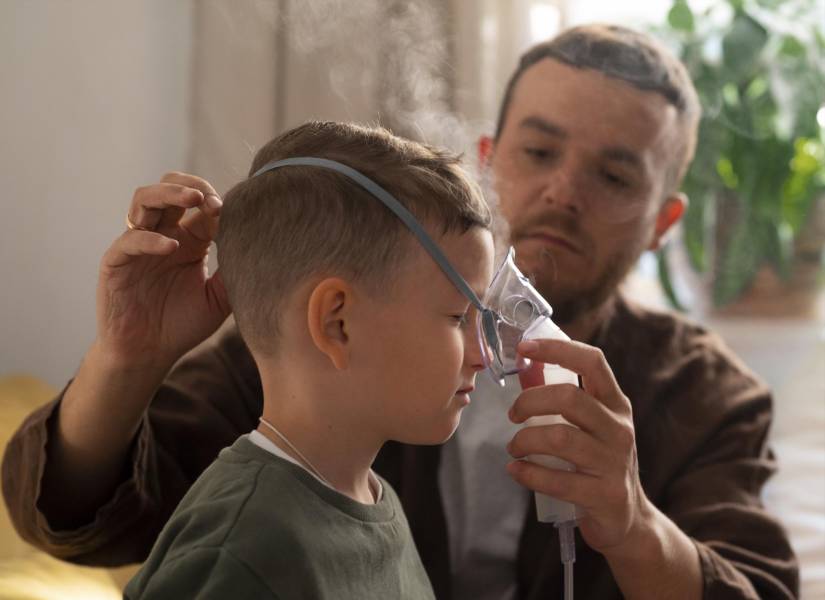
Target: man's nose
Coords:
[(563, 186)]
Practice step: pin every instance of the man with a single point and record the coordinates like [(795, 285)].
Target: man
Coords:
[(595, 133)]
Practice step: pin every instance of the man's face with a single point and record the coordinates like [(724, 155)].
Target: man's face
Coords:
[(580, 169)]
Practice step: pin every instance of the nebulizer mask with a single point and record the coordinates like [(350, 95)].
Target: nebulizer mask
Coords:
[(512, 311)]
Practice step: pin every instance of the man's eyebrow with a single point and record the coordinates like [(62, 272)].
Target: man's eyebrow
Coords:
[(543, 126)]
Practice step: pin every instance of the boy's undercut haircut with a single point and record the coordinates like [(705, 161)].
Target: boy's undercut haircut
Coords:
[(630, 56), (285, 225)]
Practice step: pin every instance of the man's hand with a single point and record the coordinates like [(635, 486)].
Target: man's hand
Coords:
[(650, 557), (606, 482), (155, 300)]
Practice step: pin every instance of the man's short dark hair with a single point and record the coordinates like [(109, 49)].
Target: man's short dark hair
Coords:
[(630, 56)]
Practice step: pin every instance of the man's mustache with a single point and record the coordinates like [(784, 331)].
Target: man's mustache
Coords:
[(559, 222)]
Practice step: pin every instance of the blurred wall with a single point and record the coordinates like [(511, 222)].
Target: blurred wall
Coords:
[(94, 103)]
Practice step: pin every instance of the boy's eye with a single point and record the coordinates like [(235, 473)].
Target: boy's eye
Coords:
[(460, 320)]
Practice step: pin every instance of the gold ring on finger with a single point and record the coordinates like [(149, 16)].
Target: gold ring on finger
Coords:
[(132, 226)]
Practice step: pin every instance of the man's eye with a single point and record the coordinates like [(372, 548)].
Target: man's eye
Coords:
[(615, 180), (539, 154)]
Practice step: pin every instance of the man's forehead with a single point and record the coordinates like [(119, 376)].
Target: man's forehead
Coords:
[(589, 106)]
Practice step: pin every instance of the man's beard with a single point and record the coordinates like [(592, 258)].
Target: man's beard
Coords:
[(570, 302)]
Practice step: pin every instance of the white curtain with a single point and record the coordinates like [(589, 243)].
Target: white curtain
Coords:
[(431, 70)]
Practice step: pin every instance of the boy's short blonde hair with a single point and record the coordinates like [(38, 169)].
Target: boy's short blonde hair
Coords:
[(285, 225)]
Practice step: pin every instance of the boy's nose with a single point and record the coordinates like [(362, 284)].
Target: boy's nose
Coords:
[(472, 352)]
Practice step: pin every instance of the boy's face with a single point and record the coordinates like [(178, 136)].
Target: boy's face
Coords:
[(424, 354)]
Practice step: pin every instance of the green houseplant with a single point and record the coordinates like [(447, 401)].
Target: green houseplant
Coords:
[(759, 171)]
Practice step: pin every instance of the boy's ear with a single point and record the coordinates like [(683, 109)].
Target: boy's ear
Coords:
[(328, 309)]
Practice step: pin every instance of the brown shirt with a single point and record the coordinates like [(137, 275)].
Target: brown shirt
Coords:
[(701, 420)]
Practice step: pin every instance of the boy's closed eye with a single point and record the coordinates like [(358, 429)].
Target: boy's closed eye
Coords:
[(467, 317), (461, 319)]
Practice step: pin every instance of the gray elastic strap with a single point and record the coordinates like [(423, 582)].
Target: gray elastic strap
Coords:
[(394, 205)]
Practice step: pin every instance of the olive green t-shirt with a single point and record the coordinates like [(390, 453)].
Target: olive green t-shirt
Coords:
[(256, 526)]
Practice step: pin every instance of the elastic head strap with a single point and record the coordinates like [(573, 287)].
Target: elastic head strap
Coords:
[(394, 205)]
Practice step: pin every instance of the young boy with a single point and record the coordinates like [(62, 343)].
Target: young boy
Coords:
[(360, 338)]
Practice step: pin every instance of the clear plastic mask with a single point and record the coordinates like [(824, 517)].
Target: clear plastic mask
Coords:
[(512, 307)]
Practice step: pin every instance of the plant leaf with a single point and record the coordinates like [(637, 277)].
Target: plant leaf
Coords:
[(680, 17), (665, 279), (742, 45), (791, 47), (738, 264)]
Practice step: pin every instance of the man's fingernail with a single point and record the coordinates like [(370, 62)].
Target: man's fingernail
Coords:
[(512, 415), (528, 346), (213, 201)]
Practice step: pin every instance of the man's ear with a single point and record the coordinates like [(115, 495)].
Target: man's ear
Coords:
[(486, 144), (328, 309), (670, 213)]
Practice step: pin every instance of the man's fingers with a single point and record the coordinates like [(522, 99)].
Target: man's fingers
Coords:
[(565, 442), (212, 200), (587, 361), (162, 204), (574, 404), (188, 180), (532, 376), (138, 243), (578, 488), (200, 225)]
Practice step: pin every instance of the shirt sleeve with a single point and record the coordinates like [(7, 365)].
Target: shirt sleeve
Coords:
[(715, 498), (205, 573), (211, 396)]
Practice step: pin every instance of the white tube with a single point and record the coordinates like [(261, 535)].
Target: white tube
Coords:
[(567, 549)]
